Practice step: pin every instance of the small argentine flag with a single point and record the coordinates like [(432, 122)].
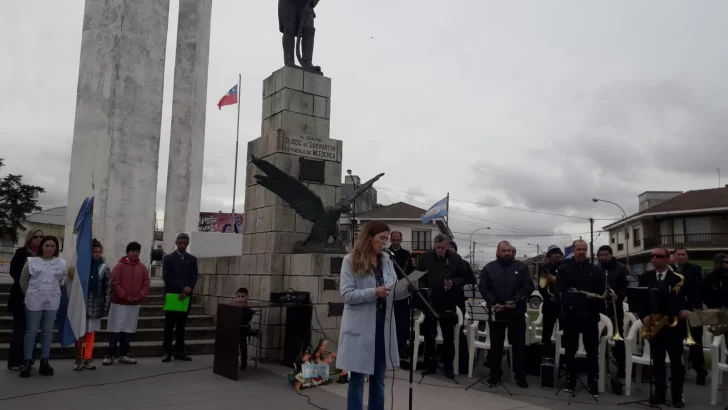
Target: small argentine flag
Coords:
[(438, 210)]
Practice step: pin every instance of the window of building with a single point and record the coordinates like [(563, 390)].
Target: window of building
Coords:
[(613, 239), (421, 240), (637, 239), (620, 247), (345, 235)]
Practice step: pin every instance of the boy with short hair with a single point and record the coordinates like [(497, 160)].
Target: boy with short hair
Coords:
[(241, 298)]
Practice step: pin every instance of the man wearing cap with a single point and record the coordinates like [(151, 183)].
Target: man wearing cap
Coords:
[(550, 309), (618, 283)]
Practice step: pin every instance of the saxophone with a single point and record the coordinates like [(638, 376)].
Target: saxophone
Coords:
[(546, 281), (590, 295), (657, 322)]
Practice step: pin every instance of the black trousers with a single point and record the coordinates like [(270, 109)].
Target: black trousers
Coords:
[(15, 354), (122, 341), (696, 352), (670, 343), (517, 338), (244, 347), (618, 351), (548, 329), (402, 320), (447, 324), (589, 331), (174, 329)]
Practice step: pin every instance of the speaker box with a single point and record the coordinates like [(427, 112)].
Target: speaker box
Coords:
[(298, 332), (547, 374)]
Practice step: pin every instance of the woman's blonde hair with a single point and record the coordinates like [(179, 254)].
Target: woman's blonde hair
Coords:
[(29, 236), (363, 249)]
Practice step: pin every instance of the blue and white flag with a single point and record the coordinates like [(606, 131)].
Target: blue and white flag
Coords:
[(71, 317), (569, 251), (439, 210)]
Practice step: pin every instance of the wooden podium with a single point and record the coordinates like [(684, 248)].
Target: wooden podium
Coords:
[(227, 340)]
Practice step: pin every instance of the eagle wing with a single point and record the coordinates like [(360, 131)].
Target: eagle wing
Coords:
[(304, 201), (358, 191)]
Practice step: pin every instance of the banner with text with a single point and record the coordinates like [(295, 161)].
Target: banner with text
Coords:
[(220, 222)]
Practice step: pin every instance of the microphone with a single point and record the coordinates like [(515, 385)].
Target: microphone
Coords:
[(388, 251)]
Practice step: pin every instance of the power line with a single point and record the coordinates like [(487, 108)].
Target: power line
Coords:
[(528, 235), (504, 206)]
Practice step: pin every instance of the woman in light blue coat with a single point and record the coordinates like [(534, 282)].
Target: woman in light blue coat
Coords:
[(368, 339)]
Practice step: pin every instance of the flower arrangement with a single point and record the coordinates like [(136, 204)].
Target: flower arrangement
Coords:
[(313, 368)]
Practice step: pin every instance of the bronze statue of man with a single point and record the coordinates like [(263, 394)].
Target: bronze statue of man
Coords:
[(295, 19)]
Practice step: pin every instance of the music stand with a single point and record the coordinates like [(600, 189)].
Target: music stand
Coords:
[(491, 315), (642, 301), (574, 307)]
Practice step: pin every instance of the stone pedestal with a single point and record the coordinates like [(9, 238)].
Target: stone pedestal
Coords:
[(294, 134)]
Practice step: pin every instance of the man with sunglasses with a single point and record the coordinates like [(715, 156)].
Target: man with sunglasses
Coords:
[(669, 341), (694, 277)]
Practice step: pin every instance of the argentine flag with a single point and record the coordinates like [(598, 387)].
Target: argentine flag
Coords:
[(71, 317), (438, 210)]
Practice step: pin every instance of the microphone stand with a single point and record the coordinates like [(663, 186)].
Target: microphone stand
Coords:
[(429, 310)]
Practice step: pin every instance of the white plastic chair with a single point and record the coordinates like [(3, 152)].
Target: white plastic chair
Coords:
[(438, 339), (481, 340), (633, 356), (534, 326), (604, 323), (718, 366)]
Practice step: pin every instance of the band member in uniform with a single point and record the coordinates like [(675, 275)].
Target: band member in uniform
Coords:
[(581, 276), (694, 279), (505, 285), (672, 302), (715, 286), (617, 283), (550, 309), (403, 258), (445, 279)]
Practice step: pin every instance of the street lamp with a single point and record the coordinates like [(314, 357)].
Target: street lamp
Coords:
[(353, 210), (538, 247), (626, 233), (472, 245)]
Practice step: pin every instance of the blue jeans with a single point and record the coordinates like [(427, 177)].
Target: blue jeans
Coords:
[(38, 320), (355, 396)]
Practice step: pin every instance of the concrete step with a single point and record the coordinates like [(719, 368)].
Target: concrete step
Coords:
[(138, 349), (156, 289), (145, 322), (144, 310), (150, 300), (142, 335)]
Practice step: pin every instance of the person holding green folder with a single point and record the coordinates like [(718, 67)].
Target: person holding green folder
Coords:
[(179, 271)]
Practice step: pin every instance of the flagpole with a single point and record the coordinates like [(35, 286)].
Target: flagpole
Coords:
[(447, 216), (237, 142)]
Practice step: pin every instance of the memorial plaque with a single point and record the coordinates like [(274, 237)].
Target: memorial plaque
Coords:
[(311, 146), (336, 265), (312, 170), (331, 284), (336, 309)]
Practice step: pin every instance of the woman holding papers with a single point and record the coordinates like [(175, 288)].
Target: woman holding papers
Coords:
[(129, 287), (368, 342)]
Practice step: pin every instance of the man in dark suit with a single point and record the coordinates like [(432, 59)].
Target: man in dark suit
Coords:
[(505, 285), (694, 278), (673, 301), (403, 258), (179, 271)]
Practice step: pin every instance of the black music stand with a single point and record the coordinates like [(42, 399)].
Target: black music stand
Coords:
[(643, 301), (574, 307), (491, 315)]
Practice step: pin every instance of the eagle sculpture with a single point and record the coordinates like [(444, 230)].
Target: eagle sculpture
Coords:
[(324, 236)]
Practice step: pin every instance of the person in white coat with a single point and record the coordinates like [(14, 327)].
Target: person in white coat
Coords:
[(368, 338)]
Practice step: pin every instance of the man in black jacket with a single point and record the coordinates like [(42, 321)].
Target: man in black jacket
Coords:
[(179, 271), (581, 318), (403, 258), (505, 285), (694, 278), (550, 308), (618, 284), (672, 301), (444, 280)]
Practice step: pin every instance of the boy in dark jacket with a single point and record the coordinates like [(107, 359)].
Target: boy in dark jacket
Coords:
[(179, 271)]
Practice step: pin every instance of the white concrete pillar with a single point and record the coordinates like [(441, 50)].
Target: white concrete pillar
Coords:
[(187, 136), (118, 121)]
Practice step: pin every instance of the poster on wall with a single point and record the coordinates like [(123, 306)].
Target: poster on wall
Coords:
[(220, 222)]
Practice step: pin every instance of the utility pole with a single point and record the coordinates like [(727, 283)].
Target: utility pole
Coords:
[(591, 244)]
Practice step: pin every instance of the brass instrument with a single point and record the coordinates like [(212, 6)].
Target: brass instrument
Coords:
[(720, 329), (617, 336), (657, 321), (546, 280)]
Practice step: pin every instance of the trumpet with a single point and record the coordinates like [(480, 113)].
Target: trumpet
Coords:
[(617, 336)]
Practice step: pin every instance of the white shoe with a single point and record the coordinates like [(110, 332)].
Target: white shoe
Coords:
[(108, 361), (127, 360)]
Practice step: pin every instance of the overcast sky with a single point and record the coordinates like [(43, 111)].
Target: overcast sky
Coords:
[(531, 104)]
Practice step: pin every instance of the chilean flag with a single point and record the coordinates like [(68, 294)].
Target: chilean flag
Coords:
[(229, 99)]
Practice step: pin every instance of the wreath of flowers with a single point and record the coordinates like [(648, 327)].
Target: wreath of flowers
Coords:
[(315, 357)]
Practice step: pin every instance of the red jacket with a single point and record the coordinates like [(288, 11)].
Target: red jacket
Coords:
[(129, 280)]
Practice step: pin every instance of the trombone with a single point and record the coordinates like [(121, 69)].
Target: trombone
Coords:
[(617, 336)]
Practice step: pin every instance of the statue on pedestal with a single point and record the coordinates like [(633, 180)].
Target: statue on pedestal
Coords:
[(324, 236), (295, 21)]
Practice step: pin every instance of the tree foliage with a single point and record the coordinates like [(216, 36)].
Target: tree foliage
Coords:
[(17, 201)]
